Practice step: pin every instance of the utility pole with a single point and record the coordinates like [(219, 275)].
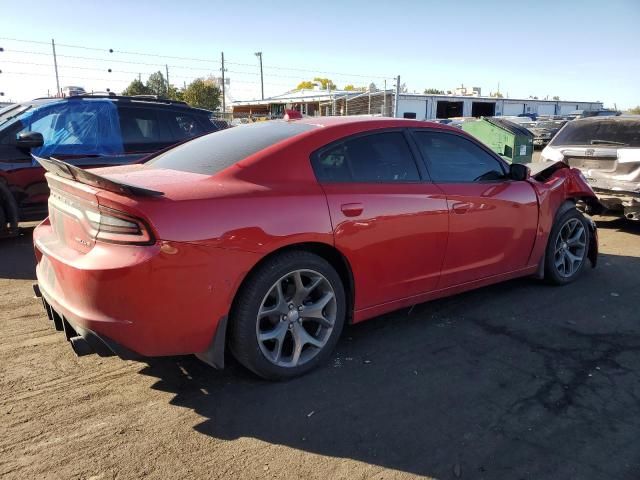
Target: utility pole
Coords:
[(166, 69), (140, 77), (224, 103), (259, 55), (384, 100), (395, 104), (55, 65)]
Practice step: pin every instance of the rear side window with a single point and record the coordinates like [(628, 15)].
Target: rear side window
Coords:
[(608, 131), (144, 129), (452, 158), (377, 158), (213, 153)]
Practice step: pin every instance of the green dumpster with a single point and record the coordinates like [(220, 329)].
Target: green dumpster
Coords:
[(508, 139)]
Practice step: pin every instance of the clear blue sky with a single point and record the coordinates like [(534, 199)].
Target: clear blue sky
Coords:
[(579, 50)]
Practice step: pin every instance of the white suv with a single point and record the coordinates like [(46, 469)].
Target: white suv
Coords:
[(607, 151)]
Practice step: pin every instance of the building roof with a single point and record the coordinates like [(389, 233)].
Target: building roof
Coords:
[(303, 95)]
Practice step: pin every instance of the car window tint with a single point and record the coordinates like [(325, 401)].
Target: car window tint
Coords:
[(378, 158), (144, 129), (213, 153), (184, 125), (452, 158), (607, 131)]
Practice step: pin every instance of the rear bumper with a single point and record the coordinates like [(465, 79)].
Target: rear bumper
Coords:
[(627, 202), (82, 340), (157, 300)]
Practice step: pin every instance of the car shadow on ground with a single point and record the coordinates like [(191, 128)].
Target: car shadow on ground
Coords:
[(517, 380), (619, 224), (17, 260)]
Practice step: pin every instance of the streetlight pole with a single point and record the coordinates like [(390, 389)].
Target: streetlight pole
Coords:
[(259, 55)]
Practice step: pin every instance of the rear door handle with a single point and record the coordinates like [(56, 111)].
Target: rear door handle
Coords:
[(461, 207), (351, 209)]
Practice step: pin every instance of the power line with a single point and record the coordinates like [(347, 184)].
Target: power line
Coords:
[(279, 67)]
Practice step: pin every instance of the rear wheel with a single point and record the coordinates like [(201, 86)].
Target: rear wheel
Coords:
[(567, 248), (289, 315)]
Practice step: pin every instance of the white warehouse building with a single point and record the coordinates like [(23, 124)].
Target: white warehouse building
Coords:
[(428, 107)]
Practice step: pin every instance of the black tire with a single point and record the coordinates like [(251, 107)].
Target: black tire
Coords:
[(3, 220), (553, 274), (244, 325)]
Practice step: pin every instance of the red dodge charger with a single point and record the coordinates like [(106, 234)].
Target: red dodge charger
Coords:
[(267, 238)]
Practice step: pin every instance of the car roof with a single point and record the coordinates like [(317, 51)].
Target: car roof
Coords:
[(373, 122), (606, 118), (134, 100)]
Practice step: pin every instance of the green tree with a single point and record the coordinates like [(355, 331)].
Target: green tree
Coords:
[(203, 93), (175, 93), (325, 83), (635, 110), (433, 91), (136, 88), (556, 98), (351, 88), (496, 95), (157, 85), (307, 84)]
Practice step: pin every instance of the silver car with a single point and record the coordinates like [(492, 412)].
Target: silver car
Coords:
[(607, 151)]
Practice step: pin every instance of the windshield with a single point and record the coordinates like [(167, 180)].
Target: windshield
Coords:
[(213, 153), (609, 131)]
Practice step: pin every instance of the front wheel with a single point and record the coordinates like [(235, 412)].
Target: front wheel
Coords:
[(288, 316), (567, 248)]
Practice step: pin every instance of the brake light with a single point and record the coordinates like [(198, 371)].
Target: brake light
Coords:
[(99, 222), (110, 225)]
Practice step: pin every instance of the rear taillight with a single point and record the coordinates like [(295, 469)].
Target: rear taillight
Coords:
[(110, 225), (102, 223)]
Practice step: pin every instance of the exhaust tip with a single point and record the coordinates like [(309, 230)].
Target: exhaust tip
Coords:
[(80, 346)]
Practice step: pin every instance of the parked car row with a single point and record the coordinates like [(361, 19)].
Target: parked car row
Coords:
[(87, 131)]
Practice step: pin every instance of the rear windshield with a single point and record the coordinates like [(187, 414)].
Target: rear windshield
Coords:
[(213, 153), (617, 132)]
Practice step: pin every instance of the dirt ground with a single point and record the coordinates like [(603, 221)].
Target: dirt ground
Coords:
[(514, 381)]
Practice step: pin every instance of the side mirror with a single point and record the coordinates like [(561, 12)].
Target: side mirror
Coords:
[(29, 140), (519, 172)]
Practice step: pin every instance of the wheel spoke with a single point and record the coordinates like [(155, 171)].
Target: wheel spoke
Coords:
[(280, 307), (278, 334), (315, 310), (303, 292)]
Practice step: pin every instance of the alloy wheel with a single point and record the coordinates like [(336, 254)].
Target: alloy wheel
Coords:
[(570, 247), (296, 318)]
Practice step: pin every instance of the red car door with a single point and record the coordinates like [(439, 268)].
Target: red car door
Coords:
[(492, 219), (388, 221)]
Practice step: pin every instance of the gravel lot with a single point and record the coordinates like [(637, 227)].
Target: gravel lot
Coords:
[(514, 381)]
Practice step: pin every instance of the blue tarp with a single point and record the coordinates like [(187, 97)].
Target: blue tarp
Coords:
[(82, 127)]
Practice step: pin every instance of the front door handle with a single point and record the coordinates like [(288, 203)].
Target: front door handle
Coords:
[(351, 209), (461, 207)]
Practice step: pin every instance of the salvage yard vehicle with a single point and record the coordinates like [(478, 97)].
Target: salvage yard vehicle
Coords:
[(544, 131), (267, 238), (87, 131), (607, 151)]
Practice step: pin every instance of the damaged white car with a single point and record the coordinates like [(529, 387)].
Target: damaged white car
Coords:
[(607, 151)]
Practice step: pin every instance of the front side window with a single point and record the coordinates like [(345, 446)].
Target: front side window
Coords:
[(74, 127), (452, 158), (378, 158)]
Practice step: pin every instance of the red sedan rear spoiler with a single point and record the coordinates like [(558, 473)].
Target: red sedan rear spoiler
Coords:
[(62, 169)]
